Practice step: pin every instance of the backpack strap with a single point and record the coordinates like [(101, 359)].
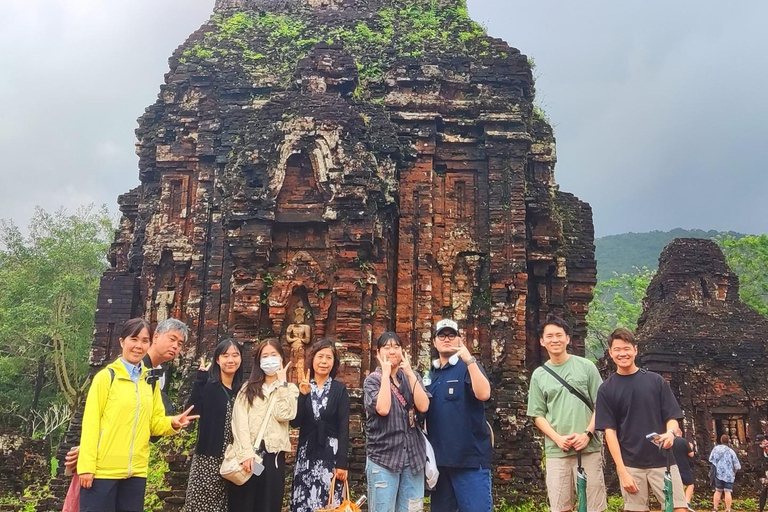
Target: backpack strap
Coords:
[(570, 388)]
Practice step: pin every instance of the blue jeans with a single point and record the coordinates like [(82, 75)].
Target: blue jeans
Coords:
[(394, 492), (463, 490)]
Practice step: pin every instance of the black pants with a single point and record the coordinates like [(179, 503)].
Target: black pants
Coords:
[(263, 493), (121, 495)]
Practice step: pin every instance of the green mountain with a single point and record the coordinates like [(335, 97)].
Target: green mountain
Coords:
[(621, 253)]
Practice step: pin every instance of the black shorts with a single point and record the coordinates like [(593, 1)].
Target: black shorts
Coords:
[(687, 478), (125, 495)]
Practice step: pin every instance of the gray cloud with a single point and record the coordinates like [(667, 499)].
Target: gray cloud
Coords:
[(659, 107)]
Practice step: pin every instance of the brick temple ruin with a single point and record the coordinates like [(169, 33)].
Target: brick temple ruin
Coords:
[(346, 167), (696, 332)]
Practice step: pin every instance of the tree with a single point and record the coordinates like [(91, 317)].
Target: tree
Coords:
[(50, 281), (618, 302), (748, 257)]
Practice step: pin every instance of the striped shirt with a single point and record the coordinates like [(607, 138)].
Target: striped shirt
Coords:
[(390, 441)]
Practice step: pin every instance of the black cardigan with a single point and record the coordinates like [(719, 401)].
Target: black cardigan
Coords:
[(334, 422), (210, 401)]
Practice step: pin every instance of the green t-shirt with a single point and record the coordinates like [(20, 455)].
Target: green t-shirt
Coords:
[(563, 410)]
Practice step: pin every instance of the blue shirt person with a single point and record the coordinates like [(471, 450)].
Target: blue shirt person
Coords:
[(456, 425)]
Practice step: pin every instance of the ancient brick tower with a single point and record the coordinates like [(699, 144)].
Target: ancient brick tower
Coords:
[(695, 331), (346, 167)]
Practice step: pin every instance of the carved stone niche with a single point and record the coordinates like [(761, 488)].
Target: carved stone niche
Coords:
[(167, 289), (459, 259), (301, 281), (300, 199)]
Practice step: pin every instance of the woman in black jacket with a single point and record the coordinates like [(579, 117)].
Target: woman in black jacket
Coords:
[(213, 395), (323, 420)]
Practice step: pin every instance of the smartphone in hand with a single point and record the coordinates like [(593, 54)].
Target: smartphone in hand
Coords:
[(654, 438)]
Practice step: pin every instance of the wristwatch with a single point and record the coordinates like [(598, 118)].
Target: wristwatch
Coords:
[(472, 359), (589, 434)]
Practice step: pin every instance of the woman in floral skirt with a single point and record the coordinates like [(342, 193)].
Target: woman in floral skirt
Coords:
[(213, 395), (323, 420)]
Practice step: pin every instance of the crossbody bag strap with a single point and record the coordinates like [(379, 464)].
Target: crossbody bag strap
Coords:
[(570, 388), (263, 428)]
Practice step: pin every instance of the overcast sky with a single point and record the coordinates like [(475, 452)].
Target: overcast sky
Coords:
[(660, 108)]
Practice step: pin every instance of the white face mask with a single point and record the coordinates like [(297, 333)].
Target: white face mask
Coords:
[(270, 365)]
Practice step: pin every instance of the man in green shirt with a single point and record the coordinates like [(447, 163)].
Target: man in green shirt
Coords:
[(566, 419)]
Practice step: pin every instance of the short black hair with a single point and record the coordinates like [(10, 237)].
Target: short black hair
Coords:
[(317, 347), (622, 334), (554, 320), (386, 337)]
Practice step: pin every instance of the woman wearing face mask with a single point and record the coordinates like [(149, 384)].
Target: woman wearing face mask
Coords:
[(323, 420), (395, 449), (263, 493), (121, 412), (213, 396)]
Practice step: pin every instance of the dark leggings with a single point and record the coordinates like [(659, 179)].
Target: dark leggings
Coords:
[(263, 493)]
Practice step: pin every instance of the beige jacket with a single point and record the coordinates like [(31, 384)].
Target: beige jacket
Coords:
[(247, 420)]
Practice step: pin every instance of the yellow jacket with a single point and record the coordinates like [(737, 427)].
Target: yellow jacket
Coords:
[(119, 417)]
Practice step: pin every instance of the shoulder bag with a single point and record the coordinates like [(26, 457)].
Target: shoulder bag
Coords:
[(231, 469)]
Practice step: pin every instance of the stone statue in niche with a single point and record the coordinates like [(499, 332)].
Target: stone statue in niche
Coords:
[(465, 280), (164, 301), (297, 336)]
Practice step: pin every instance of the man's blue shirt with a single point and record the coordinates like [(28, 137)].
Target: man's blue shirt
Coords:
[(456, 423)]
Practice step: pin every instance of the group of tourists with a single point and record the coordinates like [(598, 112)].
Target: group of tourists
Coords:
[(410, 419), (636, 413), (408, 416)]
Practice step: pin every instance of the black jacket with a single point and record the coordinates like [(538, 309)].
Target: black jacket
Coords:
[(210, 401), (334, 422)]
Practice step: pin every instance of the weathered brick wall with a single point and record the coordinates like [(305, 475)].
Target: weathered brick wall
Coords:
[(696, 332), (341, 157)]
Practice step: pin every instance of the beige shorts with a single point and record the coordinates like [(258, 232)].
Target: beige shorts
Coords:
[(561, 482), (653, 478)]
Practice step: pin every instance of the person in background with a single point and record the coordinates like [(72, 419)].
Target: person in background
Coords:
[(456, 425), (727, 464), (396, 454), (323, 422), (212, 398), (683, 451), (268, 382), (121, 412)]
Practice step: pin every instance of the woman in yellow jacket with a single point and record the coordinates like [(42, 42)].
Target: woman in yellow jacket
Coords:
[(121, 412)]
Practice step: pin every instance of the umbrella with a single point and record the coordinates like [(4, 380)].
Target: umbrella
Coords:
[(581, 484), (668, 495)]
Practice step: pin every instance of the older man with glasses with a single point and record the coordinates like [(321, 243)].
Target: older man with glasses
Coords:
[(456, 425)]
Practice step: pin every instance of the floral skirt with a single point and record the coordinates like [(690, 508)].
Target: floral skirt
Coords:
[(206, 490), (312, 481)]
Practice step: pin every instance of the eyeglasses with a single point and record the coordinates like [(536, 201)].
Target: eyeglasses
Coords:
[(450, 337)]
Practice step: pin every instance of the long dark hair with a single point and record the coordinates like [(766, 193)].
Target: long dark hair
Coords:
[(133, 327), (214, 374), (317, 347), (253, 388)]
